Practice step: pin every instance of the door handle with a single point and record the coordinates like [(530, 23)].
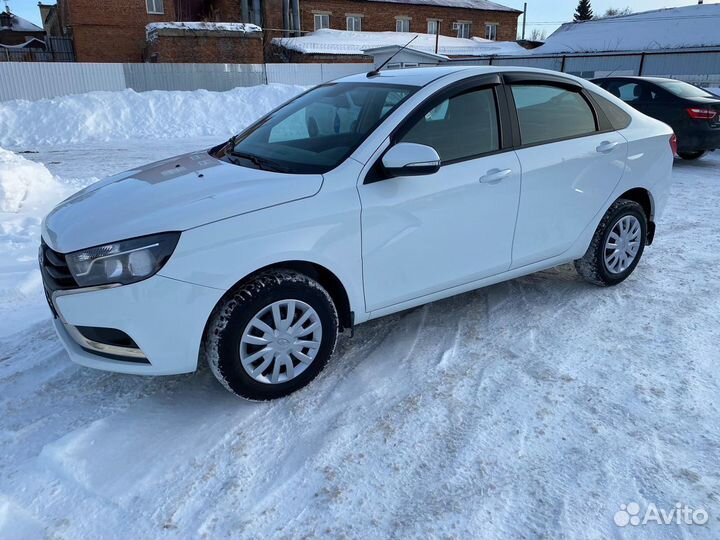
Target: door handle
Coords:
[(606, 147), (493, 176)]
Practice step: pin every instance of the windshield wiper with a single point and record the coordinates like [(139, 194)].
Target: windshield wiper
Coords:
[(260, 163)]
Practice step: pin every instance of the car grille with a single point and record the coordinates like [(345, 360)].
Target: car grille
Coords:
[(56, 275)]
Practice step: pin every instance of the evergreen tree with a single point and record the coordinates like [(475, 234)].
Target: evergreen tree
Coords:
[(584, 11)]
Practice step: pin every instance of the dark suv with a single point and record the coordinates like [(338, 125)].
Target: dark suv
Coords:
[(693, 113)]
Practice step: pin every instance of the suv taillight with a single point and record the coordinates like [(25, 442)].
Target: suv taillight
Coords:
[(698, 113), (673, 144)]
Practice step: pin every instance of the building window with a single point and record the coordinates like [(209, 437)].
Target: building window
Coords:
[(354, 23), (155, 7), (491, 31), (402, 24), (322, 20), (433, 26), (462, 28)]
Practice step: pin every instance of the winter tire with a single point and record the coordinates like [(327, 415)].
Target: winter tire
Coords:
[(690, 156), (617, 246), (272, 335)]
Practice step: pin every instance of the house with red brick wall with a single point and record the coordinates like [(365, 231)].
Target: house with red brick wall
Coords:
[(115, 31), (456, 18)]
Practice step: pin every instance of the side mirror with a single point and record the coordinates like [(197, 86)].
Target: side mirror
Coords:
[(411, 159)]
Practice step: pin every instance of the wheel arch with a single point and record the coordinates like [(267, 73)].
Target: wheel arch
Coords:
[(319, 273), (645, 199)]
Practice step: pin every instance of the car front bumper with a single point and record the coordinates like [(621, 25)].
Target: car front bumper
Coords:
[(165, 317)]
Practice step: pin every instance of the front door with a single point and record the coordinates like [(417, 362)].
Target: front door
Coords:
[(424, 234)]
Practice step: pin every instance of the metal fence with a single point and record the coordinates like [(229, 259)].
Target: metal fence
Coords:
[(700, 67), (38, 80), (55, 49)]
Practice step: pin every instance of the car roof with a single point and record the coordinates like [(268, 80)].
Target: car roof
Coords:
[(425, 75)]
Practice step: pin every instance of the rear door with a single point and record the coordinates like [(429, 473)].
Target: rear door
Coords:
[(571, 163)]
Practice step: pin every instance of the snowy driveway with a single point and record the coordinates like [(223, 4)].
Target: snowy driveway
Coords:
[(531, 409)]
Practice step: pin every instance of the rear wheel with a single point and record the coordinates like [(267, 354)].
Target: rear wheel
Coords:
[(617, 245), (272, 336), (689, 156)]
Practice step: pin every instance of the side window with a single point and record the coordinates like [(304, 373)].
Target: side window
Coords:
[(548, 113), (460, 127), (618, 118), (628, 92), (336, 115), (631, 92)]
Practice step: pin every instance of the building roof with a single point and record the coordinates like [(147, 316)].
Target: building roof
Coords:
[(392, 49), (329, 41), (152, 28), (484, 5), (672, 28), (21, 25)]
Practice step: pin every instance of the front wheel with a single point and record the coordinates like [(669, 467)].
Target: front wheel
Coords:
[(617, 245), (690, 156), (272, 336)]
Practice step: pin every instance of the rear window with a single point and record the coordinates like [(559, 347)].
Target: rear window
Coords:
[(549, 113), (683, 89)]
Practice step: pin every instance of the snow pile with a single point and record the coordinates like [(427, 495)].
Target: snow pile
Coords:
[(684, 27), (23, 183), (106, 116), (329, 41), (27, 192), (152, 28)]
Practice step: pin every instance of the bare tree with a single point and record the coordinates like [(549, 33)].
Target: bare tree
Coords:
[(615, 12)]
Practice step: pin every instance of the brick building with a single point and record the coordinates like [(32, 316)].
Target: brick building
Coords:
[(457, 18), (115, 30)]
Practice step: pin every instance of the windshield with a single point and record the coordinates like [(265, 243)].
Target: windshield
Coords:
[(315, 132), (684, 90)]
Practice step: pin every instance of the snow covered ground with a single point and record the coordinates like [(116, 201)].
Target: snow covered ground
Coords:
[(529, 409)]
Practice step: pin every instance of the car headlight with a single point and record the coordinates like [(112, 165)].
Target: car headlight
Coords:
[(123, 262)]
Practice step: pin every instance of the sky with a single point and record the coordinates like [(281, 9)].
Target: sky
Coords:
[(546, 15)]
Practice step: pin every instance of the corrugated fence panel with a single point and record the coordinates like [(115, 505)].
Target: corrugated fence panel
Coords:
[(698, 68), (330, 72), (303, 74), (214, 77), (38, 80), (602, 66), (554, 63)]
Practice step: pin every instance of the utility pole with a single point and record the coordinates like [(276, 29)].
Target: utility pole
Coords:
[(524, 19)]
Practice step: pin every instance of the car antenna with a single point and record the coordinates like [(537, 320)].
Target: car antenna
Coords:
[(376, 72)]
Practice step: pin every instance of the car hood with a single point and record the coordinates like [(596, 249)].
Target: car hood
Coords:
[(175, 194)]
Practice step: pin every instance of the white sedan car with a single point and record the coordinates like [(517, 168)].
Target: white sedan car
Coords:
[(361, 197)]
